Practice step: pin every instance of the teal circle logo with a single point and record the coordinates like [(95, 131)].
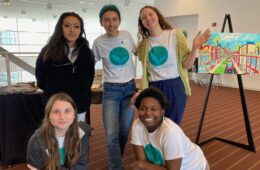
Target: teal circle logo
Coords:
[(158, 55), (153, 154), (119, 56)]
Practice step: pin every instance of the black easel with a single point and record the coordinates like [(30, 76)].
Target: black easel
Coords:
[(250, 146)]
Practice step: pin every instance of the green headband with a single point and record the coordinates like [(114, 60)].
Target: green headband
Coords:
[(109, 8)]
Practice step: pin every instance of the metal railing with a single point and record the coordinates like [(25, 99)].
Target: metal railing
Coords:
[(20, 59)]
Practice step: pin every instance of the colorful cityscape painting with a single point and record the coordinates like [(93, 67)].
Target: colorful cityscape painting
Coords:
[(230, 53)]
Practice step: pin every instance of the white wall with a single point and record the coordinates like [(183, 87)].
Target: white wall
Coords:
[(188, 23), (244, 16)]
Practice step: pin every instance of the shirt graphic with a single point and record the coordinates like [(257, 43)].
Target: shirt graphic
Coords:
[(62, 156), (153, 154), (119, 56), (158, 55)]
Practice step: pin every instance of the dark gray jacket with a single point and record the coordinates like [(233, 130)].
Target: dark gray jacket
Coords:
[(37, 152)]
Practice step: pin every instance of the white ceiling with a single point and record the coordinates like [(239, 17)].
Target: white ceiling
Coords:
[(37, 9)]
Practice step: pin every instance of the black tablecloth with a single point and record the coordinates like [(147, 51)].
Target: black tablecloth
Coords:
[(20, 116)]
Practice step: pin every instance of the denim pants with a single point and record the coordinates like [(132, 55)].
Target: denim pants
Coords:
[(117, 118)]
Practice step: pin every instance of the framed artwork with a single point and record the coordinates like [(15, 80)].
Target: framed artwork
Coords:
[(230, 53)]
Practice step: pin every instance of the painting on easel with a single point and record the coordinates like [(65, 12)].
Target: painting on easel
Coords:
[(230, 53)]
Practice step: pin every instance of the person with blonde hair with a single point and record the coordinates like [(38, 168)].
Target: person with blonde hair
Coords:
[(165, 58), (61, 142)]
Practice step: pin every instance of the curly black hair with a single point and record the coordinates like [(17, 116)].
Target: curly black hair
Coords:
[(154, 93)]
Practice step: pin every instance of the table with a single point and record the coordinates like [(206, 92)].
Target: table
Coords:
[(97, 94), (20, 116)]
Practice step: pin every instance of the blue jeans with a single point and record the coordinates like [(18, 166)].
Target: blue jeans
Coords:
[(117, 118)]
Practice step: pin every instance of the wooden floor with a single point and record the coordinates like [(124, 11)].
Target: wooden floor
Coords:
[(224, 118)]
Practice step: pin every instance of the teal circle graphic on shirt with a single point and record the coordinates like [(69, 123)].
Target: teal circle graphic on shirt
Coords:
[(153, 154), (158, 55), (119, 56)]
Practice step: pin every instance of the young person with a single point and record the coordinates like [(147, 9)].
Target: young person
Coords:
[(66, 63), (115, 49), (159, 143), (165, 58), (61, 142)]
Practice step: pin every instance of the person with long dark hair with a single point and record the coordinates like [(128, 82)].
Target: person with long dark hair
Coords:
[(66, 63), (61, 142)]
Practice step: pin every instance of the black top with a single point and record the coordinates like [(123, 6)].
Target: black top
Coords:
[(74, 79)]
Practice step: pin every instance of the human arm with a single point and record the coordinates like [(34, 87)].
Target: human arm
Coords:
[(198, 41), (40, 71), (31, 167), (92, 68), (35, 155), (136, 94), (143, 164)]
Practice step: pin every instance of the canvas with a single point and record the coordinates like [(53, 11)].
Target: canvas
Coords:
[(230, 53)]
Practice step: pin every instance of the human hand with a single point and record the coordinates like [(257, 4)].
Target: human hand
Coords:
[(199, 40), (31, 167), (133, 166), (134, 98)]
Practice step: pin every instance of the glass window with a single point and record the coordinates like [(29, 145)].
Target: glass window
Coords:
[(33, 38)]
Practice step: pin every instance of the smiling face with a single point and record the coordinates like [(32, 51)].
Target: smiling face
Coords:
[(71, 30), (110, 21), (149, 18), (61, 116), (150, 113)]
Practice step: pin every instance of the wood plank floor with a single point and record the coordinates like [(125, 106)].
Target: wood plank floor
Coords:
[(224, 118)]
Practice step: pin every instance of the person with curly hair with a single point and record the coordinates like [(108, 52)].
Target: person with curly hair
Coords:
[(158, 142), (166, 58)]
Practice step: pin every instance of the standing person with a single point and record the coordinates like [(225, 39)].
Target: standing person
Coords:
[(115, 49), (165, 58), (66, 64), (61, 142), (158, 142)]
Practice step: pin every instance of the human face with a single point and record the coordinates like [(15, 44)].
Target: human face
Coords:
[(110, 21), (61, 116), (149, 19), (150, 113), (71, 30)]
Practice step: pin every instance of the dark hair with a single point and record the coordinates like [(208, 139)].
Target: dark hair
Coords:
[(142, 31), (154, 93), (55, 46), (110, 7)]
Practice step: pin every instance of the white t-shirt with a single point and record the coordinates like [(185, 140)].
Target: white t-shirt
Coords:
[(72, 57), (61, 149), (162, 56), (116, 55), (168, 142)]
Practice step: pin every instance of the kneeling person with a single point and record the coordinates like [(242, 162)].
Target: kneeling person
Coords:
[(61, 142), (158, 142)]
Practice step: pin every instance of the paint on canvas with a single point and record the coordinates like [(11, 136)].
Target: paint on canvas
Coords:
[(230, 53)]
